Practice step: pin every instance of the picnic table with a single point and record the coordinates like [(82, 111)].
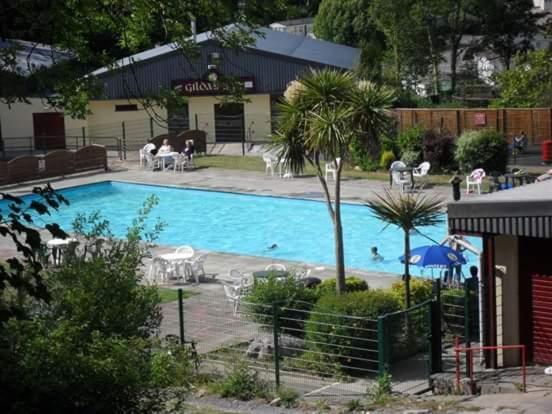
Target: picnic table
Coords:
[(168, 265)]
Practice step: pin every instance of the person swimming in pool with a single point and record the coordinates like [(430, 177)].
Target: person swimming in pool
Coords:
[(376, 257)]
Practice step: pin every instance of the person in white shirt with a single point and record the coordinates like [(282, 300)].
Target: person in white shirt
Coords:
[(165, 148)]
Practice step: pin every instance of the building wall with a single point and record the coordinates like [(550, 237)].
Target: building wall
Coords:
[(16, 124), (507, 301), (256, 116)]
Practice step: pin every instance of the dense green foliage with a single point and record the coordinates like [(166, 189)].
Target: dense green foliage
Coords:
[(92, 337), (411, 139), (352, 284), (242, 382), (485, 149), (420, 290), (386, 159), (334, 338), (438, 149), (529, 83), (293, 300)]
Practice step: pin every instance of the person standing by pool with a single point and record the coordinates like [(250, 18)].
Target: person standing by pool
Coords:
[(376, 257)]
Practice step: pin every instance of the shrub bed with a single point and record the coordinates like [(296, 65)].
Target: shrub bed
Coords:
[(352, 284), (349, 341), (294, 300), (485, 149)]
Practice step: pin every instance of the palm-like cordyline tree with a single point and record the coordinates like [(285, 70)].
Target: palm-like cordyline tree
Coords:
[(407, 212), (320, 116)]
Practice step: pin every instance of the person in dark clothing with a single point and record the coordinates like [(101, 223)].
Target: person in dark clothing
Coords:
[(189, 149)]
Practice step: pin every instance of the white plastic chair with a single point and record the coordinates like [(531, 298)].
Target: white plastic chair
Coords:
[(196, 267), (143, 162), (421, 172), (276, 266), (180, 162), (186, 251), (233, 295), (475, 179), (331, 168), (152, 162), (302, 272), (247, 281), (402, 180), (269, 163), (235, 276)]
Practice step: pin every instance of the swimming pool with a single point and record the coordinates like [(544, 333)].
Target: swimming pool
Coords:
[(247, 224)]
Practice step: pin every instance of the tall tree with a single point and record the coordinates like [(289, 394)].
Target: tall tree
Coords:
[(349, 22), (321, 115), (99, 33), (508, 27), (407, 212), (529, 83), (405, 39)]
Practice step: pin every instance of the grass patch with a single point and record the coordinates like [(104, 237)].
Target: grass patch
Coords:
[(254, 163), (171, 295)]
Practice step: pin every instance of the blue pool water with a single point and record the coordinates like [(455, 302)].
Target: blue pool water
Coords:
[(248, 224)]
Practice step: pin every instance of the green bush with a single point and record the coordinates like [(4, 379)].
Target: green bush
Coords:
[(438, 149), (57, 371), (294, 301), (420, 290), (410, 139), (352, 284), (348, 341), (411, 158), (485, 149), (387, 157), (242, 382), (174, 365)]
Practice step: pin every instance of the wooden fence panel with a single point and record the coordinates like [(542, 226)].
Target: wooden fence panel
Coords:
[(23, 168), (535, 122), (91, 157), (58, 163), (3, 172)]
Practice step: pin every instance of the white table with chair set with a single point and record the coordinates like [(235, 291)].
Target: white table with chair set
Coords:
[(238, 285), (182, 264), (162, 159), (405, 177)]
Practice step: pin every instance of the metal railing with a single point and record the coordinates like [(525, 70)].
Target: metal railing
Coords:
[(11, 147)]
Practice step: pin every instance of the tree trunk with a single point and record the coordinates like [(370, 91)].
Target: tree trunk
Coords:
[(407, 269), (338, 236), (453, 63)]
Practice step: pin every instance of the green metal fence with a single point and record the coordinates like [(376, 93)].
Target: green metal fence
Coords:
[(410, 346), (320, 355), (460, 312)]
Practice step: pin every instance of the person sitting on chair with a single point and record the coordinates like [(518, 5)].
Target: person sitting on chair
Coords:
[(190, 149), (166, 149), (520, 142), (376, 257)]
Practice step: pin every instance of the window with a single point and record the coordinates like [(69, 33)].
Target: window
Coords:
[(126, 108)]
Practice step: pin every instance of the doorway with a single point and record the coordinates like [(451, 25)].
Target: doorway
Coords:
[(49, 130), (229, 123)]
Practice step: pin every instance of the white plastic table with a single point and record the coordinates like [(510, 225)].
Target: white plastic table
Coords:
[(164, 264), (57, 246), (164, 156)]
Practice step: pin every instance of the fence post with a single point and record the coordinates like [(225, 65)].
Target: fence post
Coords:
[(181, 315), (467, 325), (83, 137), (151, 127), (124, 140), (382, 346), (276, 329), (435, 342)]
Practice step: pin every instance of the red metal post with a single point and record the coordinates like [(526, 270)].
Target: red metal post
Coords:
[(523, 368)]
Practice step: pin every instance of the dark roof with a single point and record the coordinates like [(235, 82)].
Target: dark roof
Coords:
[(522, 211), (269, 41), (32, 56)]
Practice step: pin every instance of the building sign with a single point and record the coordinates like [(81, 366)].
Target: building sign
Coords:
[(480, 119), (193, 87)]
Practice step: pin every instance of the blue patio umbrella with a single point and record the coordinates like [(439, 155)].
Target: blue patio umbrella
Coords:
[(435, 256)]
